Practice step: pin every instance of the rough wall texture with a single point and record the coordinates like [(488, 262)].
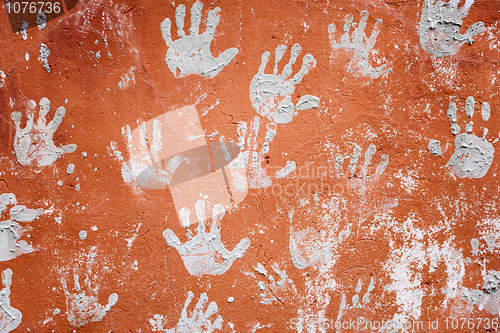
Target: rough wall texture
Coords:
[(251, 166)]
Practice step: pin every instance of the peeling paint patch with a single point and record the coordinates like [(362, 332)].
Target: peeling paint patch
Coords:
[(44, 56), (10, 318)]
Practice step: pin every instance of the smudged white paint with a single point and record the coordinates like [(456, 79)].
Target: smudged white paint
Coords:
[(10, 230), (41, 20), (9, 316), (356, 302), (199, 321), (360, 45), (271, 94), (473, 156), (353, 163), (132, 239), (440, 25), (435, 147), (363, 178), (191, 54), (127, 79), (34, 143), (258, 326), (286, 170), (70, 169), (489, 297), (307, 247), (44, 57), (82, 234), (81, 308), (22, 30), (202, 254), (275, 284)]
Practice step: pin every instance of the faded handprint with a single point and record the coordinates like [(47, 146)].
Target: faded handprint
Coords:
[(254, 159), (10, 230), (273, 290), (361, 178), (199, 321), (34, 143), (488, 297), (10, 318), (171, 152), (308, 247), (360, 45), (191, 54), (204, 253), (356, 303), (473, 155), (271, 93), (83, 307), (440, 25)]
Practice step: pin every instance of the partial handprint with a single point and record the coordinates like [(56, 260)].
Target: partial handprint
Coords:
[(205, 253), (440, 27), (271, 94), (10, 318), (308, 246), (361, 179), (10, 230), (191, 54), (254, 159), (360, 44), (271, 289), (356, 303), (473, 155), (171, 152), (81, 308), (34, 143), (199, 321)]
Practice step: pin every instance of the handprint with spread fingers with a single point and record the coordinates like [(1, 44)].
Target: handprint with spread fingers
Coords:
[(473, 155), (271, 94), (360, 45), (199, 322), (34, 143), (440, 25), (190, 54), (205, 253)]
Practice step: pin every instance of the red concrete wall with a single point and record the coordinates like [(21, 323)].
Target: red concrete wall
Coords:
[(185, 186)]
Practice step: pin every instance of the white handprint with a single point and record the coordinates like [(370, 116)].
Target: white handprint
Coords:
[(360, 44), (440, 25), (271, 93), (84, 307), (205, 253), (34, 143), (199, 321), (191, 54), (357, 303), (360, 179), (276, 286), (10, 318), (473, 155)]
